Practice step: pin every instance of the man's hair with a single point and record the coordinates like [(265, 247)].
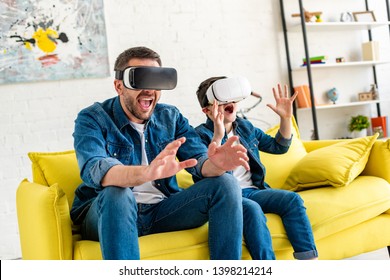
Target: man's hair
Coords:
[(137, 52), (202, 89)]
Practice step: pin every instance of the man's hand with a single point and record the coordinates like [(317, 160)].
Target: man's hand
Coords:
[(227, 157), (165, 164)]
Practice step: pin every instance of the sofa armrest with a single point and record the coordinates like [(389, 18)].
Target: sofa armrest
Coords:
[(44, 222), (379, 161)]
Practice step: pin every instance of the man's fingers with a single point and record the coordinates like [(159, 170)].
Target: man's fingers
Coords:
[(188, 163), (243, 155), (212, 148), (231, 141)]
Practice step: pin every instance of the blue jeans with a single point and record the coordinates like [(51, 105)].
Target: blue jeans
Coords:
[(289, 206), (116, 221)]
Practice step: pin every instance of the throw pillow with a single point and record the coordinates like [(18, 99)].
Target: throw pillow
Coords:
[(278, 167), (336, 165), (57, 167)]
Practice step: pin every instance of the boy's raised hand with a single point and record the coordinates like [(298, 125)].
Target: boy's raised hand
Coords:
[(284, 103)]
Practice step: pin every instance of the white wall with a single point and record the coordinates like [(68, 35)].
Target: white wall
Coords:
[(199, 38)]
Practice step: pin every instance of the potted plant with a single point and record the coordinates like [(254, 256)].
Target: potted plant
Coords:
[(358, 126)]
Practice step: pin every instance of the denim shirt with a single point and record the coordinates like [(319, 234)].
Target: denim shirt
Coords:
[(103, 138), (254, 140)]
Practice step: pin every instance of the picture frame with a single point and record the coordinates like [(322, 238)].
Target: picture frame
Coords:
[(365, 16)]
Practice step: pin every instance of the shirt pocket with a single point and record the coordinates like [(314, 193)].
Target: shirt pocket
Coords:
[(123, 153), (253, 146)]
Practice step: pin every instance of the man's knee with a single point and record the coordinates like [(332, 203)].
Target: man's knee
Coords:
[(228, 182), (117, 198)]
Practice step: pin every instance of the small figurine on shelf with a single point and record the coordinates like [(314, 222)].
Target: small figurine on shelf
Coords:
[(318, 18), (374, 92), (333, 95), (310, 16)]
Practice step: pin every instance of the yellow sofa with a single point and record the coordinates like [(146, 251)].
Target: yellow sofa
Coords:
[(345, 185)]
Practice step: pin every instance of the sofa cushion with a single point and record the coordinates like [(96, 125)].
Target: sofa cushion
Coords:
[(331, 210), (336, 165), (57, 167), (278, 167)]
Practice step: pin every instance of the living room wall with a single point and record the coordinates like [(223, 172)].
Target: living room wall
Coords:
[(199, 38)]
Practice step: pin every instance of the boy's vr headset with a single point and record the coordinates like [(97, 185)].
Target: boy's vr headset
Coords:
[(146, 77), (228, 90)]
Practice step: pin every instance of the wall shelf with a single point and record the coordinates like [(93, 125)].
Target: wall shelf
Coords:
[(341, 105), (342, 26), (342, 64)]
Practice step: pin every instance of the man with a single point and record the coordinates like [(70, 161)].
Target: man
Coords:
[(126, 149)]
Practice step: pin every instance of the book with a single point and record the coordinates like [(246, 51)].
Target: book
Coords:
[(379, 122), (321, 58), (303, 98)]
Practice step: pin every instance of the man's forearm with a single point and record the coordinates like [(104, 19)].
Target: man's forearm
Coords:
[(210, 170), (125, 176)]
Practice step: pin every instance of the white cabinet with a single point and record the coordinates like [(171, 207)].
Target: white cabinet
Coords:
[(324, 120)]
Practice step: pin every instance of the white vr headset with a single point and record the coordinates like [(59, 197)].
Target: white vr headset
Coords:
[(229, 90)]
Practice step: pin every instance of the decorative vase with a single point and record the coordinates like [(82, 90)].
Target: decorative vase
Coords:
[(359, 134)]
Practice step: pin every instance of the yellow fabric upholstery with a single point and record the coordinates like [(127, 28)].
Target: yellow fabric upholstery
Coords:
[(60, 168), (44, 222), (336, 165), (346, 221), (279, 170)]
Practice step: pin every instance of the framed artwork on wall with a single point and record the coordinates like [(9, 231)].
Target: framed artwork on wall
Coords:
[(52, 40)]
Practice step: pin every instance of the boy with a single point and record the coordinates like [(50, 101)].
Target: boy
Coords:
[(222, 123)]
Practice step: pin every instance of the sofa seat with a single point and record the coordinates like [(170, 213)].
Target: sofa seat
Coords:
[(341, 213), (330, 210), (184, 245)]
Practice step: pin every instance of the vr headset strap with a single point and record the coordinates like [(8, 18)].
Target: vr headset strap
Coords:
[(119, 75)]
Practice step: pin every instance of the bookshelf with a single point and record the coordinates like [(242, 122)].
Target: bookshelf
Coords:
[(314, 71)]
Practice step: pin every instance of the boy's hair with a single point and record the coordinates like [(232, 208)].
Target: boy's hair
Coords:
[(202, 89), (137, 52)]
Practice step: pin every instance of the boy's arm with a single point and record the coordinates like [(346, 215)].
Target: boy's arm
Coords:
[(219, 128)]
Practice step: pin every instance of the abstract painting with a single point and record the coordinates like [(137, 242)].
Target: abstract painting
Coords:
[(52, 40)]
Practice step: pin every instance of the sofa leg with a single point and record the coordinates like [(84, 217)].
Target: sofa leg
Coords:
[(388, 250)]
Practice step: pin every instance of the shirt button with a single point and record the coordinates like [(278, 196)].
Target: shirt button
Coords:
[(115, 154)]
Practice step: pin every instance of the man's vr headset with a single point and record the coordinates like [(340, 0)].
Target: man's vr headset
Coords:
[(229, 90), (147, 77)]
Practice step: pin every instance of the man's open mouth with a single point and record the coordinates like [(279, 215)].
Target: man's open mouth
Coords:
[(145, 102)]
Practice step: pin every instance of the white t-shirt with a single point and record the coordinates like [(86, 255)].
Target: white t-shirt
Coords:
[(146, 193), (242, 175)]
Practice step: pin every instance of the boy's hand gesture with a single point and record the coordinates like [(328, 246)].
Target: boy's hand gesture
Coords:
[(284, 103)]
